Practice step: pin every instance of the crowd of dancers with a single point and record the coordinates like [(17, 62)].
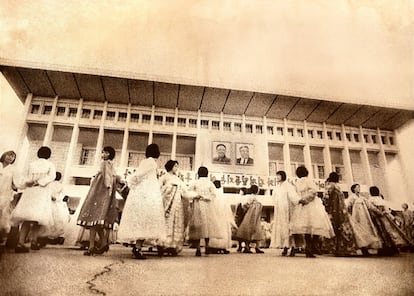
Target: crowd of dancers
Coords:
[(165, 213)]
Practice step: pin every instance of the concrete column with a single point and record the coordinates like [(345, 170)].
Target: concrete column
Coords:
[(99, 142), (365, 159), (326, 153), (347, 159), (306, 151), (150, 136), (124, 151), (266, 149), (72, 145), (243, 124), (49, 129), (383, 163), (286, 151), (174, 139), (221, 127), (22, 129)]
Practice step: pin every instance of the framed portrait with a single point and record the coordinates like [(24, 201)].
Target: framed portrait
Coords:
[(244, 154), (221, 152)]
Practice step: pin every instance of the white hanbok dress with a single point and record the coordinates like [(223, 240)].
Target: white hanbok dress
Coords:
[(36, 201), (143, 214), (7, 175), (285, 199)]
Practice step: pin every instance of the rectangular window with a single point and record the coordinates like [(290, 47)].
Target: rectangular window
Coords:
[(391, 140), (237, 127), (300, 132), (134, 117), (204, 123), (35, 109), (329, 133), (259, 129), (122, 116), (310, 134), (338, 136), (97, 114), (279, 131), (366, 138), (60, 111), (182, 121), (270, 130), (215, 125), (320, 134), (374, 139), (86, 113), (146, 118), (356, 138), (87, 156), (290, 131), (348, 137), (47, 110), (169, 120), (110, 115), (320, 171), (227, 126), (249, 128), (192, 122), (383, 140), (158, 119), (73, 112)]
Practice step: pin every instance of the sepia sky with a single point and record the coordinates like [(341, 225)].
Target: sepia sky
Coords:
[(355, 51)]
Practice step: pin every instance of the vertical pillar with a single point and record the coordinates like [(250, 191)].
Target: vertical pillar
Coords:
[(306, 151), (243, 127), (347, 159), (266, 151), (174, 139), (365, 159), (124, 150), (99, 142), (72, 145), (383, 163), (150, 136), (326, 153), (49, 129), (22, 129), (286, 151)]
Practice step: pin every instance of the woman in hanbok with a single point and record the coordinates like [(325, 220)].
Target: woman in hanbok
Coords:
[(225, 222), (344, 243), (309, 217), (60, 214), (143, 216), (7, 186), (250, 230), (391, 235), (407, 221), (202, 223), (285, 198), (172, 189), (366, 235), (99, 211), (35, 206)]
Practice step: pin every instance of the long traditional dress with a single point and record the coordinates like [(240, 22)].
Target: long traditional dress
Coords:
[(225, 222), (391, 235), (7, 174), (203, 223), (250, 228), (36, 204), (99, 207), (408, 223), (171, 190), (143, 214), (60, 213), (285, 198), (344, 241), (366, 235), (310, 218)]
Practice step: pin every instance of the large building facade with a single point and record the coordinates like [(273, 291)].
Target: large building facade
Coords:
[(77, 114)]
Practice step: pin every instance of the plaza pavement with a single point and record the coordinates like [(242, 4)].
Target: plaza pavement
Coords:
[(58, 270)]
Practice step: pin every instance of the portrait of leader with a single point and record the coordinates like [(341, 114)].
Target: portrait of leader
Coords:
[(221, 152), (244, 154)]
